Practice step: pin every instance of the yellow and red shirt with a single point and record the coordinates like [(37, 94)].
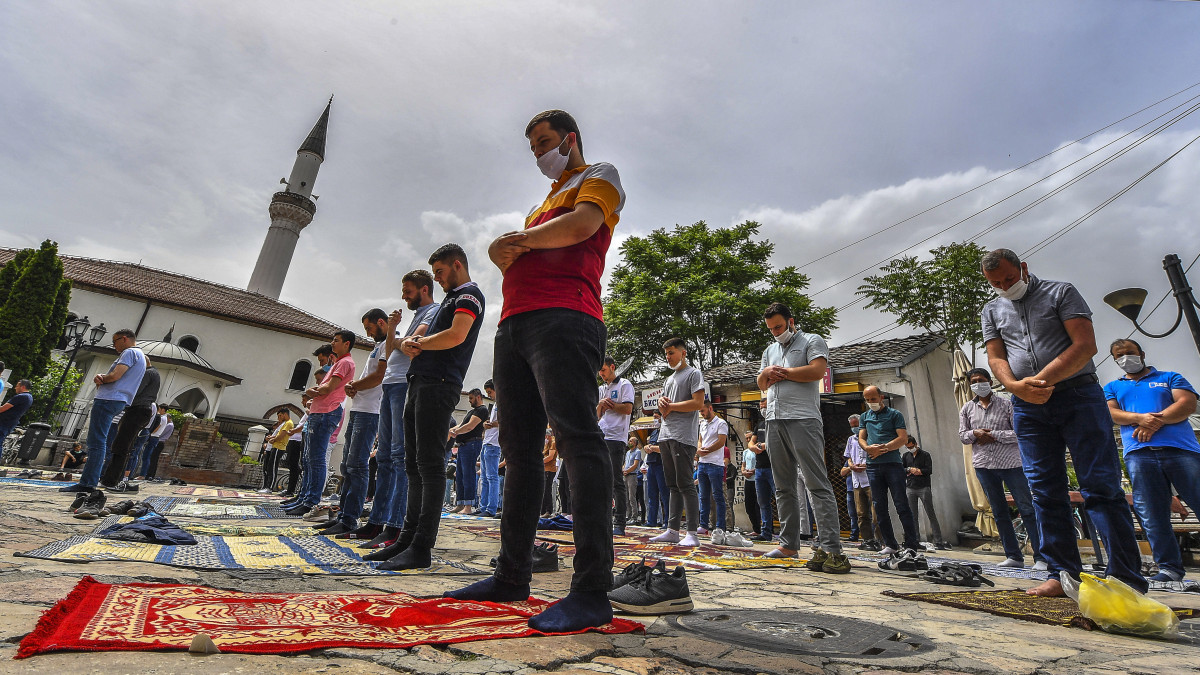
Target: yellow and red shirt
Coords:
[(567, 277)]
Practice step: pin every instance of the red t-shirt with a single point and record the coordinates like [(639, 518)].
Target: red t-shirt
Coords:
[(567, 277)]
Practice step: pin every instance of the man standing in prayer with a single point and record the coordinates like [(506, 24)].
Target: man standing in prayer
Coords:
[(613, 413)]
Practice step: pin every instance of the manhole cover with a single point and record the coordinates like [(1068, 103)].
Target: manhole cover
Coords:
[(802, 633)]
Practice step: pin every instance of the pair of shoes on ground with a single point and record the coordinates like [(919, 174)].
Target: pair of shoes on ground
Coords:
[(545, 558), (670, 536), (870, 545), (89, 505), (648, 590), (829, 563), (958, 574), (905, 560), (763, 536), (30, 473), (723, 538), (123, 486)]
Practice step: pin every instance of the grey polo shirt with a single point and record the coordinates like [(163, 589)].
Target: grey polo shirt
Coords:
[(1032, 328), (788, 400)]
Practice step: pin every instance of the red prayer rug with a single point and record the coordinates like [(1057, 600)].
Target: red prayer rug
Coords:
[(143, 617)]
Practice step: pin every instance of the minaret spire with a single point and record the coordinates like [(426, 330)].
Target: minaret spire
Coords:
[(291, 210)]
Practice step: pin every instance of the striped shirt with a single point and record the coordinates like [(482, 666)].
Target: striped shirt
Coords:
[(567, 277), (997, 416)]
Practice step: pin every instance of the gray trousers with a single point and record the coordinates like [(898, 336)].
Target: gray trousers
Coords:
[(798, 446), (679, 466), (925, 497)]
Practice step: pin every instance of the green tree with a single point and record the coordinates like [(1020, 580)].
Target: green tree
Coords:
[(706, 285), (43, 387), (942, 295), (11, 271), (26, 313), (54, 326)]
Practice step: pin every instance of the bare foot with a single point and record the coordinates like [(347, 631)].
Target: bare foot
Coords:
[(1050, 588)]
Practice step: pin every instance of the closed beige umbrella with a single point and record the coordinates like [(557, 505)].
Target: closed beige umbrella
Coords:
[(962, 393)]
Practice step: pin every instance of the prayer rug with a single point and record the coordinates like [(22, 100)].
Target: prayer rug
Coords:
[(296, 555), (1015, 604), (143, 617), (222, 530), (221, 492), (190, 507), (31, 482)]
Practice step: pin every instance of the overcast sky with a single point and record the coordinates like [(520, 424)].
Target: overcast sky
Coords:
[(157, 132)]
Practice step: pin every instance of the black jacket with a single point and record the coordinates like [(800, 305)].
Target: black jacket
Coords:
[(923, 462)]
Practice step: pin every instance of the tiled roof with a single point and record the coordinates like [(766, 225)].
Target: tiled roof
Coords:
[(858, 355), (189, 293)]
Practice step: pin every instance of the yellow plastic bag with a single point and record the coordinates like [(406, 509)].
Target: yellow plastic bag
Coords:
[(1117, 608)]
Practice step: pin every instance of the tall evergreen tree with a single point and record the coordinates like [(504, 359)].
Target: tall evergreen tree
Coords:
[(12, 271), (54, 327), (25, 315)]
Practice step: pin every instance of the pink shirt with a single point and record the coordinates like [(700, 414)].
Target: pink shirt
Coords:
[(343, 368)]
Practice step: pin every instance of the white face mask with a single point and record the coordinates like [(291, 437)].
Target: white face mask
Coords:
[(981, 389), (1016, 291), (785, 337), (553, 163), (875, 406), (1130, 363), (679, 366)]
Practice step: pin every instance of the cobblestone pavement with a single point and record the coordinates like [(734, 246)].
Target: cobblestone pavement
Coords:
[(964, 641)]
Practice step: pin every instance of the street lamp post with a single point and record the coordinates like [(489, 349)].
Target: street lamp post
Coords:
[(1128, 301), (74, 333)]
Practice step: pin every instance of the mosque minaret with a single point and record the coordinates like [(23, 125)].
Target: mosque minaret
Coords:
[(291, 210)]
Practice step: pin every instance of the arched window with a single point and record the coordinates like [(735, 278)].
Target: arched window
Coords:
[(191, 401), (300, 374), (190, 343)]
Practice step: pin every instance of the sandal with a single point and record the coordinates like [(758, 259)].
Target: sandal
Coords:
[(957, 574)]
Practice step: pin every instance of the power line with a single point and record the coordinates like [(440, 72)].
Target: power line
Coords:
[(1001, 176)]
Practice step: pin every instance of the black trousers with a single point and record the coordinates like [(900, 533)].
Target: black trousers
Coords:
[(548, 492), (752, 510), (545, 369), (270, 464), (136, 418), (426, 409), (616, 453), (294, 450)]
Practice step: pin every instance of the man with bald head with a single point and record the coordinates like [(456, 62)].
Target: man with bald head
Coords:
[(881, 436)]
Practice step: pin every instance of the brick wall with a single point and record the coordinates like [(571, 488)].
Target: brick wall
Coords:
[(200, 456)]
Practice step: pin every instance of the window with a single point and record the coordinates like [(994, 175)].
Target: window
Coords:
[(190, 343), (300, 374)]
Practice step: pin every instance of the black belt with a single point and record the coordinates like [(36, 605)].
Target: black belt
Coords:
[(1078, 381)]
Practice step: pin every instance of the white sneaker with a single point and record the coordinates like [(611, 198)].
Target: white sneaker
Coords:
[(264, 491), (887, 550), (1041, 566), (690, 540), (736, 539), (667, 537), (718, 537), (1012, 562)]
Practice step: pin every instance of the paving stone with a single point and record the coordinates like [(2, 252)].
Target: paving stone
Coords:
[(182, 663), (540, 652), (43, 591), (646, 666), (690, 648), (17, 620), (774, 663)]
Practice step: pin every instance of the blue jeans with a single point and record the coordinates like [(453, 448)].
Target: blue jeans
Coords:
[(464, 478), (360, 436), (1077, 418), (391, 483), (316, 455), (656, 494), (141, 446), (153, 449), (712, 487), (1153, 471), (764, 484), (103, 412), (851, 510), (889, 478), (490, 497), (993, 482)]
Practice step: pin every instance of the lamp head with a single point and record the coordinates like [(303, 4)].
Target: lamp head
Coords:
[(76, 329), (1127, 301), (97, 334)]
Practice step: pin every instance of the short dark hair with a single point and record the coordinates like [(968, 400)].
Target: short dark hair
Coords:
[(991, 259), (419, 278), (125, 332), (323, 350), (911, 439), (1, 365), (1122, 341), (283, 411), (375, 314), (449, 253), (777, 309), (489, 385), (25, 383), (346, 335), (609, 361), (475, 392), (978, 371), (675, 342), (560, 121)]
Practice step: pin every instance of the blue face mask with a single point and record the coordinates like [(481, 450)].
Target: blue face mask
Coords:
[(854, 430)]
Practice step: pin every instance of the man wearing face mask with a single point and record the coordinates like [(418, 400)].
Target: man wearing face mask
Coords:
[(792, 368), (985, 424), (1040, 342), (881, 436), (548, 347), (1161, 452)]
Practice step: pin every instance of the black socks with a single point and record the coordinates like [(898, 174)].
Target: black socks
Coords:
[(492, 589)]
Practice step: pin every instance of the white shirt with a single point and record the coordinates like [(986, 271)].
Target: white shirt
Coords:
[(492, 436), (710, 431), (615, 425), (368, 400), (857, 456)]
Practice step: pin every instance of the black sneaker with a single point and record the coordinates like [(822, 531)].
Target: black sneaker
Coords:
[(91, 506), (125, 487), (122, 508), (545, 558), (655, 593), (635, 571), (75, 487), (78, 501)]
